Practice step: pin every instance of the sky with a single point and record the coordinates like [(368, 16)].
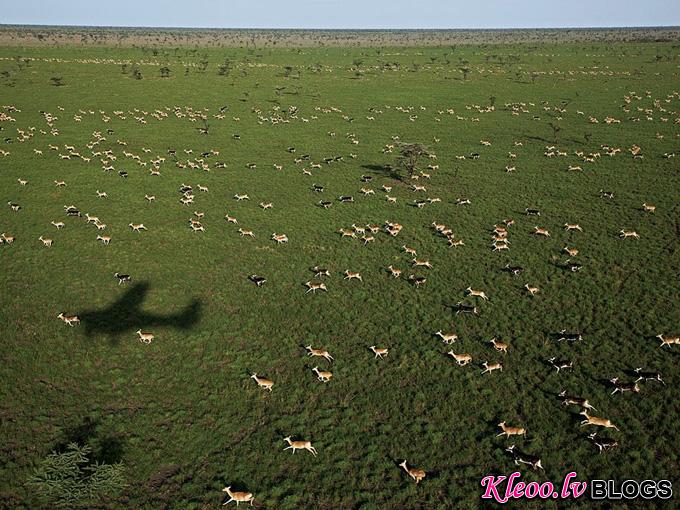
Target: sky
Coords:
[(356, 14)]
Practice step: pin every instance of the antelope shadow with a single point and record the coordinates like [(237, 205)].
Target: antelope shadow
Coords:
[(125, 315)]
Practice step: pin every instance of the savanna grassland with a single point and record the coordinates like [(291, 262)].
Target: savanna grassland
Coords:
[(182, 414)]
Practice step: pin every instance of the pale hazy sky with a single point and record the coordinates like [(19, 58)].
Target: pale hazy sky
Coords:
[(343, 13)]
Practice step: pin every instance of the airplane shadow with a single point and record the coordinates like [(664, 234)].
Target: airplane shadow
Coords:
[(125, 316)]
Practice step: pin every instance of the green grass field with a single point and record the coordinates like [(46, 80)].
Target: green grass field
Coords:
[(182, 413)]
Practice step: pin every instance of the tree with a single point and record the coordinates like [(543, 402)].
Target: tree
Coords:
[(56, 81), (70, 480), (409, 154)]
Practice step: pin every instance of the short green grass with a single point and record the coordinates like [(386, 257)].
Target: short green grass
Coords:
[(182, 413)]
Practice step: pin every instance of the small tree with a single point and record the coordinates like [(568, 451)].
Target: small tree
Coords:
[(56, 81), (409, 155), (165, 72), (70, 480)]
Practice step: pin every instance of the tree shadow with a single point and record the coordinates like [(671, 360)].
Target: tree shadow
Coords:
[(384, 170), (106, 447), (125, 315)]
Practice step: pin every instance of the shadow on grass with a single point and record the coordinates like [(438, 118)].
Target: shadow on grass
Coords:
[(106, 447), (125, 316), (384, 170)]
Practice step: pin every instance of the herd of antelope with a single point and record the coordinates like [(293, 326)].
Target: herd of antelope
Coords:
[(414, 265)]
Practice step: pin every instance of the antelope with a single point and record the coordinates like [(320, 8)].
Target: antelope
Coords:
[(461, 359), (347, 233), (416, 187), (358, 230), (606, 194), (456, 242), (622, 387), (299, 445), (628, 233), (490, 367), (150, 198), (447, 338), (313, 287), (46, 242), (477, 293), (603, 444), (136, 227), (421, 263), (391, 200), (396, 273), (669, 340), (349, 275), (279, 238), (145, 337), (514, 270), (204, 189), (416, 474), (410, 251), (278, 167), (532, 212), (572, 226), (379, 352), (58, 224), (91, 219), (367, 191), (500, 246), (648, 376), (69, 319), (531, 289), (578, 401), (572, 252), (231, 219), (257, 280), (319, 352), (569, 337), (241, 197), (123, 278), (499, 346), (386, 189), (102, 194), (511, 431), (323, 376), (648, 207), (524, 458), (541, 231), (104, 239), (22, 182), (266, 384), (243, 233), (100, 226), (367, 239), (14, 207), (417, 280), (576, 168), (320, 271), (594, 420), (239, 497)]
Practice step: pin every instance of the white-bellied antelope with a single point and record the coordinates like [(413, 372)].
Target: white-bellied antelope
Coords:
[(621, 387), (541, 232), (239, 497), (499, 346), (603, 443), (263, 383), (323, 376), (490, 367), (594, 420), (461, 359), (477, 293), (648, 207), (623, 233), (410, 251), (22, 182), (299, 445), (243, 233), (447, 338), (320, 271), (241, 197), (347, 233), (14, 207), (136, 227), (511, 431), (350, 275), (421, 263), (578, 401), (524, 458), (146, 338), (572, 226), (379, 351), (396, 273), (417, 280), (45, 241), (123, 278), (572, 252), (668, 340), (313, 286), (230, 219), (91, 219), (560, 364), (58, 224), (104, 239), (322, 353), (416, 474), (69, 319), (279, 238), (531, 289), (150, 198)]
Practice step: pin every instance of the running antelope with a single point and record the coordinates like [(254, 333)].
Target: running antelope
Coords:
[(313, 287), (22, 182), (668, 340), (231, 219), (266, 384), (572, 252), (572, 226), (239, 497), (58, 224), (91, 219), (511, 431), (594, 420), (532, 290), (396, 273), (69, 319), (150, 198), (490, 367), (243, 233), (241, 197), (266, 206), (349, 275), (410, 251), (648, 207), (499, 346), (628, 233), (416, 474), (145, 337), (299, 445), (136, 227), (477, 293), (46, 242), (102, 194), (541, 232), (279, 238), (603, 443), (104, 239), (347, 233), (623, 387), (319, 353), (378, 351), (461, 359), (524, 458), (447, 338), (322, 375), (577, 401), (421, 263)]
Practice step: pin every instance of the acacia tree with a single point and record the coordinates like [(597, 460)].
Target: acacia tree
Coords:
[(409, 155)]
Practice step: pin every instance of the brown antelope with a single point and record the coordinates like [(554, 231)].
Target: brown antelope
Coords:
[(499, 346), (572, 252), (410, 251), (668, 340), (572, 226), (531, 289), (477, 293), (69, 319), (136, 227), (279, 238), (455, 242), (104, 239), (416, 474), (239, 497), (91, 219), (648, 207), (263, 383), (541, 232), (243, 233), (578, 401), (594, 420), (319, 353), (347, 233), (379, 351), (322, 375), (511, 431), (628, 233), (313, 287), (447, 338), (461, 359), (421, 263), (46, 242), (490, 367), (367, 239), (358, 230), (396, 273), (299, 445), (500, 246), (145, 337), (6, 239), (231, 219), (349, 275)]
